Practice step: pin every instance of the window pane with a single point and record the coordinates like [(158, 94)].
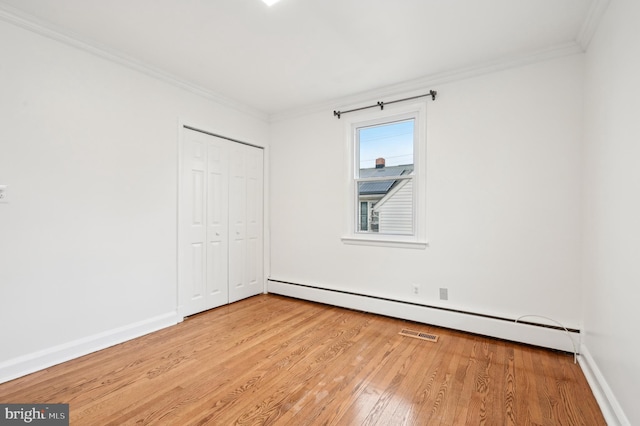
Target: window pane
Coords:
[(364, 216), (388, 204), (386, 145)]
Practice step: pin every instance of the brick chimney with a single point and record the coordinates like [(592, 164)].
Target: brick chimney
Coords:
[(379, 163)]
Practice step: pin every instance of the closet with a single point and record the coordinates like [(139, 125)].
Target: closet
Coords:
[(220, 215)]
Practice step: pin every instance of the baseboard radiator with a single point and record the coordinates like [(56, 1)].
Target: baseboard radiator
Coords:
[(538, 334)]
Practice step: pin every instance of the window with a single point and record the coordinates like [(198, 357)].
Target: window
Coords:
[(386, 174)]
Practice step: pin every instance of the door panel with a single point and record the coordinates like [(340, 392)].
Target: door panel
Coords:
[(197, 275), (202, 253), (254, 219), (216, 272), (221, 222), (237, 200), (192, 245), (252, 262), (245, 203), (217, 221)]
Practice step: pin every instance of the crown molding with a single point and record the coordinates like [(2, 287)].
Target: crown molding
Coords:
[(587, 31), (33, 24), (411, 87), (591, 23)]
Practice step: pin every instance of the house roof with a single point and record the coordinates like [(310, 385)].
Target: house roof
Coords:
[(382, 186)]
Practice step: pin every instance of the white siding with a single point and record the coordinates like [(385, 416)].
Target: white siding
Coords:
[(395, 210)]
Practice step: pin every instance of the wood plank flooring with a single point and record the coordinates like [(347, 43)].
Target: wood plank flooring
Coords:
[(270, 360)]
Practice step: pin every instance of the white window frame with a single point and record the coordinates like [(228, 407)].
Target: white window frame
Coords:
[(391, 113)]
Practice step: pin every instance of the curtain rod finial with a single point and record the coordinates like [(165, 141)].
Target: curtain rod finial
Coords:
[(337, 114)]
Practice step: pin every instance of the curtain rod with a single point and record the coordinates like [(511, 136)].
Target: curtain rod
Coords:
[(381, 104)]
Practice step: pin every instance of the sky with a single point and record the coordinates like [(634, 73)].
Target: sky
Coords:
[(393, 142)]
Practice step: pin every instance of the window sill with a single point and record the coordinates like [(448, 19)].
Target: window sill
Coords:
[(384, 242)]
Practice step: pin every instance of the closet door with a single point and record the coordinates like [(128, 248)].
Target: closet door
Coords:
[(203, 228), (245, 222), (220, 253)]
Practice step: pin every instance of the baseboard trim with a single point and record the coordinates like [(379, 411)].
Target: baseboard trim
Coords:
[(30, 363), (611, 409), (487, 325)]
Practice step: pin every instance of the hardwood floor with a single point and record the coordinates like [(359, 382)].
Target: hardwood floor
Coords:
[(275, 360)]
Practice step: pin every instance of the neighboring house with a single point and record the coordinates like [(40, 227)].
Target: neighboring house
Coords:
[(395, 210), (385, 206)]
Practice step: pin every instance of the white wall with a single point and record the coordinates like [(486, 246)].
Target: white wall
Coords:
[(612, 208), (503, 199), (88, 240), (89, 151)]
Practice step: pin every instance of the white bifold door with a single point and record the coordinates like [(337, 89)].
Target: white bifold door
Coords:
[(220, 235)]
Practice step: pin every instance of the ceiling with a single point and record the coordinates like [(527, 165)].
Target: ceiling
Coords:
[(298, 53)]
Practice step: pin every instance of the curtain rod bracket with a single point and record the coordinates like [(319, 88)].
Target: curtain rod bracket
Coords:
[(381, 105), (337, 114)]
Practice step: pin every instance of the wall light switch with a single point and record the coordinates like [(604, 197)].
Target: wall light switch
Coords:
[(4, 198)]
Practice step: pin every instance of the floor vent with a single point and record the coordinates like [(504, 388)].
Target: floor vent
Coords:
[(419, 335)]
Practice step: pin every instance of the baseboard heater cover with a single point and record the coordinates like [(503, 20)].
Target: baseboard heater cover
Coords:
[(536, 334)]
